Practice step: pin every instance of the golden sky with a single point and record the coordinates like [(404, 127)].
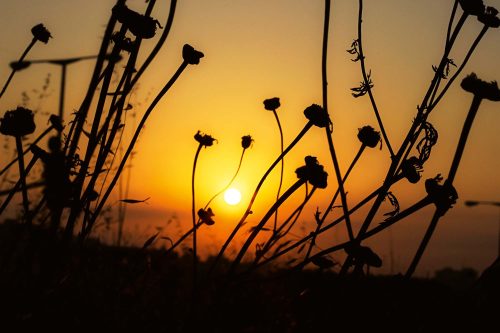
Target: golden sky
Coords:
[(261, 49)]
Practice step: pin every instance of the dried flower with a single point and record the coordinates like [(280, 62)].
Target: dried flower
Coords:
[(368, 136), (41, 33), (443, 196), (190, 55), (411, 169), (323, 262), (56, 122), (206, 216), (363, 255), (272, 104), (204, 139), (17, 122), (246, 141), (480, 88), (472, 7), (313, 172), (19, 65), (317, 115), (140, 25), (490, 18)]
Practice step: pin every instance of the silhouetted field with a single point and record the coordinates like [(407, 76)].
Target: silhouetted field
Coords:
[(103, 288)]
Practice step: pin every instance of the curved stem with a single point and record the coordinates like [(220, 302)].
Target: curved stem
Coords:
[(30, 45), (230, 182), (332, 202), (25, 151), (365, 79), (262, 222), (282, 168), (134, 141), (193, 214), (254, 196)]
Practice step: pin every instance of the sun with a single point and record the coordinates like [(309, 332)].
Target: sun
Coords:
[(232, 196)]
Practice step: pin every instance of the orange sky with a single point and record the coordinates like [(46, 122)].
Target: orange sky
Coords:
[(261, 49)]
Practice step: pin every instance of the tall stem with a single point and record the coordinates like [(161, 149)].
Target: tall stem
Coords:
[(193, 215), (19, 147), (282, 168), (365, 79), (33, 42)]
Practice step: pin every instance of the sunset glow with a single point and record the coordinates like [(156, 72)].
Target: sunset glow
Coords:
[(232, 196)]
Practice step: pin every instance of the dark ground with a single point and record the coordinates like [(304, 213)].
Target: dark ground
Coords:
[(47, 287)]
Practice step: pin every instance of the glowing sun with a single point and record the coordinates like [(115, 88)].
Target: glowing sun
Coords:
[(232, 196)]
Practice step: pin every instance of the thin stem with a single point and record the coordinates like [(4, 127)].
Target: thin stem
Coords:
[(366, 81), (19, 147), (26, 150), (324, 86), (330, 206), (262, 222), (254, 196), (134, 141), (476, 101), (282, 168), (16, 187), (25, 53), (450, 23), (193, 214), (230, 182)]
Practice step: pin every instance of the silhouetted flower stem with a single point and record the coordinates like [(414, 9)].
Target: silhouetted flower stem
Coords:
[(20, 158), (18, 185), (193, 214), (409, 140), (328, 131), (277, 235), (262, 222), (14, 70), (449, 181), (332, 202), (365, 79), (248, 211), (450, 22), (133, 142), (26, 150), (282, 167)]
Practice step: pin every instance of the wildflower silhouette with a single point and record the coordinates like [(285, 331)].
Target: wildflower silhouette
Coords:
[(18, 123), (363, 255), (272, 104), (40, 33), (206, 216), (472, 7), (489, 18), (411, 169), (204, 140), (313, 173), (317, 117), (444, 196), (190, 55), (141, 26)]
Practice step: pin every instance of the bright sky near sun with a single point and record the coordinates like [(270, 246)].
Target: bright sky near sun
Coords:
[(260, 49)]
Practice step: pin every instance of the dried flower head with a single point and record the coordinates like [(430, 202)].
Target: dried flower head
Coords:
[(411, 169), (317, 115), (480, 88), (41, 33), (313, 172), (56, 122), (17, 122), (490, 18), (204, 139), (140, 25), (206, 216), (246, 141), (272, 104), (190, 55), (443, 196), (368, 136), (472, 7), (19, 65), (363, 255)]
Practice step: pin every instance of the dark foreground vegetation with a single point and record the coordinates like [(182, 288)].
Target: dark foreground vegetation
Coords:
[(50, 286)]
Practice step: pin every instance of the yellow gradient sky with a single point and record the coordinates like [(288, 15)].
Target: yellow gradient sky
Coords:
[(260, 49)]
